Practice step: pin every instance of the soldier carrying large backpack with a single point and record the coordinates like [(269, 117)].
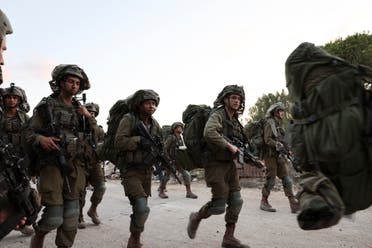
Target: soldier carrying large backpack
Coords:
[(137, 141), (220, 170)]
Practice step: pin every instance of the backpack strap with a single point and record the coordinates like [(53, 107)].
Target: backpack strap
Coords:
[(328, 111)]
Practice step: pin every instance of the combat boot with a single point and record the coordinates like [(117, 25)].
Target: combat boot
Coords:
[(265, 205), (37, 241), (192, 227), (293, 204), (189, 193), (134, 240), (229, 241), (92, 213), (81, 224), (27, 230), (162, 194)]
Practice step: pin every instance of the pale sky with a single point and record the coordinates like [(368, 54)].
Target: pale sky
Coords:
[(186, 50)]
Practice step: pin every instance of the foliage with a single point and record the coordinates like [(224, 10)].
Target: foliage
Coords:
[(258, 111), (357, 48)]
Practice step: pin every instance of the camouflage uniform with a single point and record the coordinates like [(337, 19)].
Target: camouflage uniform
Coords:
[(11, 127), (220, 171), (95, 174), (276, 165), (172, 145), (136, 175), (27, 197), (61, 210)]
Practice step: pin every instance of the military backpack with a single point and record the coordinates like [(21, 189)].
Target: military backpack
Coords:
[(331, 133), (254, 131), (116, 113), (195, 117)]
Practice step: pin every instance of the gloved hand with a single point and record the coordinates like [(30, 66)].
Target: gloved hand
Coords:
[(145, 144), (279, 147)]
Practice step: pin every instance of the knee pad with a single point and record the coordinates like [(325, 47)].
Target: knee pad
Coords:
[(51, 219), (235, 201), (270, 183), (186, 177), (287, 182), (140, 212), (70, 215), (216, 206)]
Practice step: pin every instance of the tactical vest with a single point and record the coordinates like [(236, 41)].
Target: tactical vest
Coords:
[(11, 128), (230, 128), (278, 134), (69, 124)]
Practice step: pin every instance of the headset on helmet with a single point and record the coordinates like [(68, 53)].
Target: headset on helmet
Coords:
[(59, 73)]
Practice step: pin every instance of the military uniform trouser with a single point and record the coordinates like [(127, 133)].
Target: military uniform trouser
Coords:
[(64, 218), (97, 180), (223, 179), (276, 168), (61, 207), (53, 187), (185, 175), (137, 187)]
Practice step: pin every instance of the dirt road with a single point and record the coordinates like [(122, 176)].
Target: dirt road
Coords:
[(166, 225)]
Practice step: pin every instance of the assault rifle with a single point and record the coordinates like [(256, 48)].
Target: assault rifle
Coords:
[(156, 151), (244, 155), (15, 190), (286, 154), (51, 131)]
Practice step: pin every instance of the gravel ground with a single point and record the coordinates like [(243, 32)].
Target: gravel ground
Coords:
[(166, 225)]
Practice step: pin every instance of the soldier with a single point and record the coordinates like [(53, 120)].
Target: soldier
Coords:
[(9, 212), (273, 154), (95, 175), (135, 161), (58, 131), (12, 122), (175, 142), (220, 170)]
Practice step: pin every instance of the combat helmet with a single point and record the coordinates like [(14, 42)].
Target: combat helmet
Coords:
[(63, 70), (142, 95), (275, 107), (92, 107), (175, 125), (5, 27), (17, 91), (228, 90)]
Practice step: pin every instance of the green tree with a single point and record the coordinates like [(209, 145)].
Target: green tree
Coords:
[(258, 111), (357, 48)]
